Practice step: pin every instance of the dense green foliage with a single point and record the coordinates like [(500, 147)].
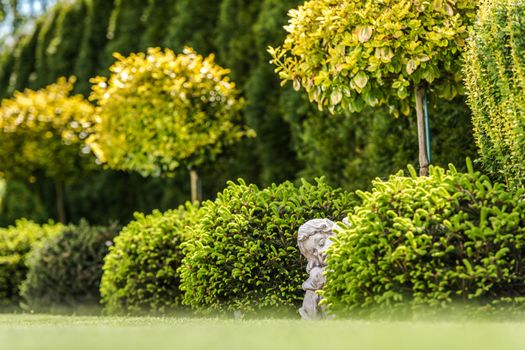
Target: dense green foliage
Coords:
[(64, 271), (140, 271), (160, 110), (495, 69), (45, 38), (94, 39), (429, 241), (193, 24), (15, 243), (244, 256), (22, 76), (67, 34), (347, 61), (124, 29)]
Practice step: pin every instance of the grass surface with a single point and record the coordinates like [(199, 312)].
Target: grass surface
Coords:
[(60, 333)]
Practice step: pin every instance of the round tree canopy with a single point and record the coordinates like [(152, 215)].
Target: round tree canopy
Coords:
[(348, 54), (160, 109), (44, 131)]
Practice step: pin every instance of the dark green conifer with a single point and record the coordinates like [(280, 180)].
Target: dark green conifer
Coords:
[(194, 24), (125, 29), (24, 69), (157, 17), (94, 40)]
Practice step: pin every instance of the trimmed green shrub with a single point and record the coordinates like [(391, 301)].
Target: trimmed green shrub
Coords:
[(245, 256), (495, 78), (65, 271), (433, 242), (140, 271), (15, 243)]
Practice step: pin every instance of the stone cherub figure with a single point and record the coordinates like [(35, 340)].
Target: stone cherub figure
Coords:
[(313, 240)]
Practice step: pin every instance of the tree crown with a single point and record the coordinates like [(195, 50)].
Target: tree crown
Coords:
[(160, 109), (348, 54)]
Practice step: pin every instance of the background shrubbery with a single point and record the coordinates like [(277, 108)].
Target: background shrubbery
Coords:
[(495, 78), (430, 241), (65, 270), (244, 256), (15, 243), (140, 271)]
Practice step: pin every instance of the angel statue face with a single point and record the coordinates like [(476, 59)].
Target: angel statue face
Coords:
[(313, 241)]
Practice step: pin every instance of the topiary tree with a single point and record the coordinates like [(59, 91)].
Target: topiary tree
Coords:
[(244, 256), (140, 271), (15, 243), (64, 271), (429, 241), (160, 110), (388, 54), (46, 130), (495, 78)]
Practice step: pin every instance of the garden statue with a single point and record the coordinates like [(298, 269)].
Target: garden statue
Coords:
[(313, 240)]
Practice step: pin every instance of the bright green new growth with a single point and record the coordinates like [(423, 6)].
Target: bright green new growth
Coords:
[(349, 54), (64, 272), (15, 243), (140, 271), (495, 78), (160, 109), (430, 241), (245, 255)]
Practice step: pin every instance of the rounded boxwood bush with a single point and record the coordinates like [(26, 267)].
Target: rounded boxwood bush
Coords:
[(429, 242), (65, 270), (15, 243), (140, 271), (245, 255)]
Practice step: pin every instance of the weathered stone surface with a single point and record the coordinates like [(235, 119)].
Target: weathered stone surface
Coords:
[(313, 241)]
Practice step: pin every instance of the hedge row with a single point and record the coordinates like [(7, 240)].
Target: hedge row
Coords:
[(52, 267), (411, 241), (430, 242)]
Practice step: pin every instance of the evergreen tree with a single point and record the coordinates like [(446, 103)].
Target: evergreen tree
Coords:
[(125, 29), (94, 40), (42, 66), (194, 24), (64, 47), (264, 111), (23, 72), (156, 19), (235, 39), (7, 62)]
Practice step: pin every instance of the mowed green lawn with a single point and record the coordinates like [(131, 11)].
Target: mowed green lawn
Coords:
[(60, 333)]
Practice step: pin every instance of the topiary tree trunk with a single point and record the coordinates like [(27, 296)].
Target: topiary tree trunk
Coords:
[(196, 186), (421, 131)]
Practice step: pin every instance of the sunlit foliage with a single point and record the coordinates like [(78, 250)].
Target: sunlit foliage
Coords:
[(161, 109)]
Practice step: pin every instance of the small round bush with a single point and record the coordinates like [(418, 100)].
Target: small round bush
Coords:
[(430, 242), (15, 243), (65, 270), (245, 256), (140, 271)]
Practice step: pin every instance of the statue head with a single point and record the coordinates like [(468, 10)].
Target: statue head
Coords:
[(313, 240)]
